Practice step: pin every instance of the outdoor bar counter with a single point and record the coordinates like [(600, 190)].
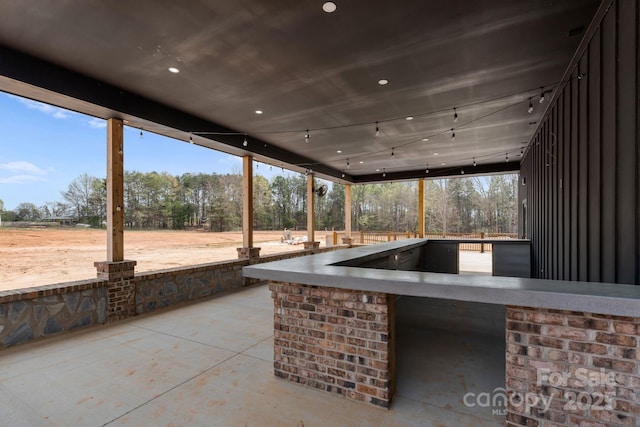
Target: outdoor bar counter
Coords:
[(335, 318)]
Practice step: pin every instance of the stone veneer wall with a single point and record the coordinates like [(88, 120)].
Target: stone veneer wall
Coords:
[(568, 368), (118, 293), (51, 310), (163, 288), (337, 340)]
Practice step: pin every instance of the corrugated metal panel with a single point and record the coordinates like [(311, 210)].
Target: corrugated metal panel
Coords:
[(581, 168)]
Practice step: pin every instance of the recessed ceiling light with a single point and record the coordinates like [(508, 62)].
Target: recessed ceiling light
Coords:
[(339, 151), (329, 7), (174, 70), (435, 154), (443, 164), (383, 82), (410, 118), (259, 112), (361, 162), (425, 139)]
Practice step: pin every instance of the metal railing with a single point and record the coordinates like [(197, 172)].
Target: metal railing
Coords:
[(373, 237)]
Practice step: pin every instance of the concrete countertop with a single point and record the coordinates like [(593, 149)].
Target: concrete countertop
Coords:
[(592, 297)]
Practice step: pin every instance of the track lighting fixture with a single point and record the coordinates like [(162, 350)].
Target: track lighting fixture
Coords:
[(190, 139), (245, 142), (530, 110), (453, 134), (474, 162), (140, 133), (427, 170), (348, 164), (455, 115), (392, 151), (306, 136), (541, 100), (506, 157), (377, 129), (384, 173)]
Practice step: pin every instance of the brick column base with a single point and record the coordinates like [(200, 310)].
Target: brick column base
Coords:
[(311, 245), (121, 288), (568, 368), (248, 253), (337, 340)]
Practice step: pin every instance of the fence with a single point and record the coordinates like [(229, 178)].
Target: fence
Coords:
[(373, 237)]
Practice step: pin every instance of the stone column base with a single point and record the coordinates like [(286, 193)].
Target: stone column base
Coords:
[(311, 245), (121, 288), (248, 253)]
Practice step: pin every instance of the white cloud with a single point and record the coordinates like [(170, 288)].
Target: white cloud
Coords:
[(56, 112), (97, 123), (24, 167), (20, 179)]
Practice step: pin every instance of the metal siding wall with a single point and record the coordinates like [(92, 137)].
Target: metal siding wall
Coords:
[(637, 139), (595, 147), (572, 261), (627, 143), (583, 177), (565, 186), (608, 207), (582, 166)]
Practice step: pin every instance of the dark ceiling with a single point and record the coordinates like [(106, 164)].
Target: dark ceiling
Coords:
[(306, 69)]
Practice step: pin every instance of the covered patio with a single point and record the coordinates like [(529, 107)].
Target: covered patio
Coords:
[(211, 363), (355, 93)]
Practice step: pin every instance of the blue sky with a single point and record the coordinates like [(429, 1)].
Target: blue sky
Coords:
[(43, 148)]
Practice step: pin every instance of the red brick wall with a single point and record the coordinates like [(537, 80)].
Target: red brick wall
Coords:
[(121, 288), (572, 369), (337, 340)]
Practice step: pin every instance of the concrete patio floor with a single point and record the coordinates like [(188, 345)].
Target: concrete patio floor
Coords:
[(210, 364)]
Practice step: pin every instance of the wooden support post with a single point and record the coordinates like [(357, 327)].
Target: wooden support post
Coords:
[(347, 209), (115, 191), (247, 251), (421, 208), (247, 201), (310, 209)]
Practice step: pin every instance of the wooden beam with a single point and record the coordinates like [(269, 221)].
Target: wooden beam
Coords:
[(421, 208), (347, 209), (310, 209), (247, 201), (115, 191)]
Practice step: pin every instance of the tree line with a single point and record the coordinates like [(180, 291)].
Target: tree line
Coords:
[(213, 202)]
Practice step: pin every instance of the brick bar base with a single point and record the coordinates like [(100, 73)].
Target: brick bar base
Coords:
[(337, 340), (572, 369), (248, 253), (121, 288)]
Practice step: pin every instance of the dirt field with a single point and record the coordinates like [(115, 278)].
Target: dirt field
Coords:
[(34, 257)]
